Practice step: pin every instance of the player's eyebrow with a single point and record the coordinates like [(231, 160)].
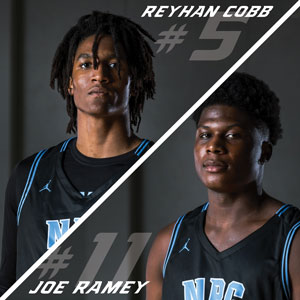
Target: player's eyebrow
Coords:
[(203, 126), (228, 127), (236, 125), (84, 55), (88, 55), (111, 56)]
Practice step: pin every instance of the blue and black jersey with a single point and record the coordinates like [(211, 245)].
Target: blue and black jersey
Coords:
[(46, 194), (254, 268)]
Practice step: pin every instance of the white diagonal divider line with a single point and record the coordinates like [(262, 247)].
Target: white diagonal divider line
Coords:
[(160, 141)]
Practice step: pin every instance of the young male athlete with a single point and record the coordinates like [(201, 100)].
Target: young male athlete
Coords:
[(103, 68), (241, 244)]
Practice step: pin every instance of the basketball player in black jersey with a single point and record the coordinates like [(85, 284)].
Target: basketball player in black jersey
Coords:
[(103, 68), (241, 244)]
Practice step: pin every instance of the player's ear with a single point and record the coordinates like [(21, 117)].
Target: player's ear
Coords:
[(71, 86), (266, 152)]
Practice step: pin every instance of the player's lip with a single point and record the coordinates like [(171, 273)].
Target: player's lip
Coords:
[(214, 165), (97, 90)]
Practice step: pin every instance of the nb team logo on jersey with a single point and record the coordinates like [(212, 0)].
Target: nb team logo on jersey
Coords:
[(56, 228), (194, 289)]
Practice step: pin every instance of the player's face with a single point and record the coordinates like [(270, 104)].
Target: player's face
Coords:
[(228, 149), (101, 92)]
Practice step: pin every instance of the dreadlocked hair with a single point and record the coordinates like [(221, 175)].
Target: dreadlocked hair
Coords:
[(125, 33)]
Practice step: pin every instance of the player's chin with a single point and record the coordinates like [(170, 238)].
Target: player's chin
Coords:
[(220, 183), (96, 111)]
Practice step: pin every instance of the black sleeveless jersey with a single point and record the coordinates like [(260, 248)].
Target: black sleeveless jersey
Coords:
[(48, 204), (256, 268)]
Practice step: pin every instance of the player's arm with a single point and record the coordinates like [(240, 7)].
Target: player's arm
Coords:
[(9, 237), (294, 267), (155, 263), (13, 194)]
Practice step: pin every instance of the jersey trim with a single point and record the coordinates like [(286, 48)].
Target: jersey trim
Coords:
[(282, 209), (172, 242), (141, 147), (285, 257), (205, 206), (65, 144), (29, 182)]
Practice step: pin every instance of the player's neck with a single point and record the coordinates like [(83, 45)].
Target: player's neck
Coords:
[(230, 208), (231, 219), (104, 137)]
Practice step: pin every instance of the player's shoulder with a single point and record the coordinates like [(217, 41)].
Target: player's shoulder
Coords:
[(289, 214), (143, 147), (164, 235), (192, 215), (171, 229), (168, 233), (23, 167), (290, 218)]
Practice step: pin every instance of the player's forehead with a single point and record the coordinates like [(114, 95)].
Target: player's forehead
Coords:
[(220, 114), (107, 48)]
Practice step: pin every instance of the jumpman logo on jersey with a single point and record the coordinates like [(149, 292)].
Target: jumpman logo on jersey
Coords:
[(46, 187), (185, 246)]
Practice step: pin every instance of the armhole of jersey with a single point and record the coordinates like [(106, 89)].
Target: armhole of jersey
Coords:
[(285, 260), (141, 147), (29, 182), (172, 242), (65, 144)]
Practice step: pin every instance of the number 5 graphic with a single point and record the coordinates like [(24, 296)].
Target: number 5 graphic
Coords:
[(229, 38)]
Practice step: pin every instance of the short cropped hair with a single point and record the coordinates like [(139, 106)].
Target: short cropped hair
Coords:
[(252, 96), (124, 32)]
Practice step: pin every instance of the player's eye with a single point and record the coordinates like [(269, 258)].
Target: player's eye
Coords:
[(204, 135), (232, 135), (113, 65), (86, 65)]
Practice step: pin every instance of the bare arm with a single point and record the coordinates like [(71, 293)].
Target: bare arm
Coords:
[(155, 263), (294, 267)]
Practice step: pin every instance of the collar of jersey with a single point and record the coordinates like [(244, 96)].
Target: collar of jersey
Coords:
[(72, 191), (208, 246), (90, 161)]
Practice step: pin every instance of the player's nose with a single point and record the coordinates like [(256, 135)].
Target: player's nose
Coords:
[(216, 145), (101, 74)]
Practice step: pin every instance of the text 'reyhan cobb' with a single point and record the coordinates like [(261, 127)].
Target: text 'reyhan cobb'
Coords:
[(159, 11)]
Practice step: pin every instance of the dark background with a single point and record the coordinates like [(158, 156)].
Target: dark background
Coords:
[(33, 116)]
